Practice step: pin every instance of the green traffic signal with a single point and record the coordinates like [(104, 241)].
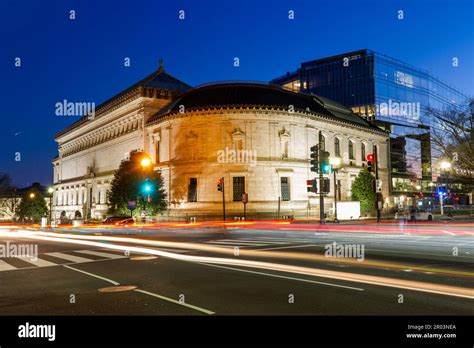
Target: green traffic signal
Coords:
[(147, 188)]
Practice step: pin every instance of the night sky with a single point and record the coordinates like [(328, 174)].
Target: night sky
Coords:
[(83, 59)]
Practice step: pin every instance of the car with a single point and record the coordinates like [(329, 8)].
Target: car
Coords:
[(118, 220), (414, 215)]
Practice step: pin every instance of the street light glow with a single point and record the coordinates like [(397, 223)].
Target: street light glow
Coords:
[(445, 165), (50, 190), (32, 195), (335, 161), (145, 162)]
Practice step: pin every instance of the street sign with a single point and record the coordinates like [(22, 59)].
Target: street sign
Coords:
[(245, 198), (378, 185), (132, 205)]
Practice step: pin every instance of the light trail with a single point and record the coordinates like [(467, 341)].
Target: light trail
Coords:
[(344, 276), (257, 253)]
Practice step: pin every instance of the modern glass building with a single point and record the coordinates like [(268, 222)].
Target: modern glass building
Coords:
[(397, 97)]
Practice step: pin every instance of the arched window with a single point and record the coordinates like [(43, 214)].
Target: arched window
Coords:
[(337, 147), (362, 152), (351, 149)]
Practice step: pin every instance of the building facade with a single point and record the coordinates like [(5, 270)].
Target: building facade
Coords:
[(255, 136), (396, 97)]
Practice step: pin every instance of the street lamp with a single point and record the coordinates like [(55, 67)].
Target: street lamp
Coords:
[(145, 162), (445, 166), (32, 195), (335, 162), (50, 191)]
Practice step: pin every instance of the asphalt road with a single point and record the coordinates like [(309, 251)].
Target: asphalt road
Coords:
[(241, 270)]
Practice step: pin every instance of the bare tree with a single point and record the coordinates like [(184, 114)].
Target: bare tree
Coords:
[(9, 199), (452, 135)]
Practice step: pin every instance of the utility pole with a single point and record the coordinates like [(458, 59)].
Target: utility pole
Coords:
[(334, 170), (321, 196), (377, 195), (220, 187)]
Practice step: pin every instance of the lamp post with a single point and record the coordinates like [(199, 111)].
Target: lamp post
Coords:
[(444, 165), (335, 162), (50, 191), (145, 163)]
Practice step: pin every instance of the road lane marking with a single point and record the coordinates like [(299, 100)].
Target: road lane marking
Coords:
[(72, 258), (236, 243), (441, 289), (4, 266), (289, 247), (38, 262), (179, 251), (259, 241), (92, 275), (175, 302), (284, 277), (101, 254)]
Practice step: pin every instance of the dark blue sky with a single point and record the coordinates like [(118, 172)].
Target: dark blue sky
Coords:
[(82, 60)]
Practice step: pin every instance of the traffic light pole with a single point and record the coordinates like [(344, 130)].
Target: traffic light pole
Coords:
[(321, 196), (377, 198), (334, 170), (223, 199)]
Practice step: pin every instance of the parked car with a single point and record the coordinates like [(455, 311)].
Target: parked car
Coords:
[(119, 221), (414, 215)]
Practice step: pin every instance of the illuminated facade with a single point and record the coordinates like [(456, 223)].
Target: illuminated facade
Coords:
[(396, 97), (256, 136)]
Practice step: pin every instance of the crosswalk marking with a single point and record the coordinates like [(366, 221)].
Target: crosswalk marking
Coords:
[(38, 262), (69, 257), (5, 266), (100, 253)]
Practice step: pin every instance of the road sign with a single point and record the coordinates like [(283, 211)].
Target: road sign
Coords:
[(132, 205), (245, 197), (378, 185)]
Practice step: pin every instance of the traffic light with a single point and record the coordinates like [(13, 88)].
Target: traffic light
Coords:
[(220, 184), (326, 185), (370, 162), (147, 187), (312, 185), (314, 158), (325, 166)]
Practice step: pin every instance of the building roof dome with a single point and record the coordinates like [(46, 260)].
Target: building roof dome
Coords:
[(255, 95)]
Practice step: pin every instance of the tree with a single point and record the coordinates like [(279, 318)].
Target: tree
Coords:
[(363, 190), (8, 196), (133, 182), (452, 135), (32, 206)]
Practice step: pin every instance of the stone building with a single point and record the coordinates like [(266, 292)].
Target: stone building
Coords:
[(256, 136)]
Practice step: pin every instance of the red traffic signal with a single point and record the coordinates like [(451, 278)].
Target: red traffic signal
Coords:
[(311, 186), (370, 157), (220, 184)]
